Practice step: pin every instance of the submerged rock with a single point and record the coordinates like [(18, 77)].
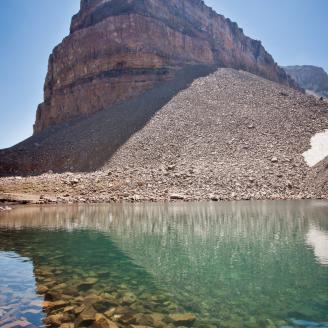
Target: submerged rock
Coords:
[(67, 325), (269, 324), (110, 312), (86, 317), (104, 305), (79, 309), (102, 322), (87, 283), (183, 319), (54, 319), (129, 298), (144, 319), (41, 289), (51, 306), (53, 296)]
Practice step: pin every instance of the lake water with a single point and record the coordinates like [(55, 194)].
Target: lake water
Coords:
[(238, 264)]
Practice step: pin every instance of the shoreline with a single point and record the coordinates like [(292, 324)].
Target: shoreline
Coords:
[(7, 200)]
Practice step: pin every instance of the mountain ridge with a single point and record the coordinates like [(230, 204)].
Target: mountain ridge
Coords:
[(312, 78)]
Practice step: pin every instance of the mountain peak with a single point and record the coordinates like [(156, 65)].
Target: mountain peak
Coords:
[(311, 78), (118, 49)]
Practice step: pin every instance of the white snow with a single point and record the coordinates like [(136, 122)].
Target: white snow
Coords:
[(319, 149)]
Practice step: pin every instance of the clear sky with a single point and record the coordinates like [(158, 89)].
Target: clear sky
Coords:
[(293, 31)]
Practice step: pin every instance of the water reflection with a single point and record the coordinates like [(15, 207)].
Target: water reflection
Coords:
[(200, 218), (246, 264), (19, 303), (318, 239)]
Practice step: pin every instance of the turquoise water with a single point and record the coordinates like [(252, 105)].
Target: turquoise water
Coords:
[(239, 264)]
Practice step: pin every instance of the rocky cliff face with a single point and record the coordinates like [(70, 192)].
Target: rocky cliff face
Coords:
[(311, 78), (118, 49)]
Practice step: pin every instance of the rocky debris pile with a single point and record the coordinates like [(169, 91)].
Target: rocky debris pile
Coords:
[(229, 136), (119, 49), (311, 78)]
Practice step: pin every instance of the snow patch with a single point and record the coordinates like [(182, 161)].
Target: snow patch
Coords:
[(318, 150)]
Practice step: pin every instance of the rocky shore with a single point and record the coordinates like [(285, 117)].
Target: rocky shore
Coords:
[(229, 136)]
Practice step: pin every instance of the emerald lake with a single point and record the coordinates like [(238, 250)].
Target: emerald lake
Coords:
[(234, 264)]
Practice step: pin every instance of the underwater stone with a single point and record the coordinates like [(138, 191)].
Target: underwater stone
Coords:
[(110, 312), (41, 289), (144, 319), (88, 283), (102, 322), (53, 296), (104, 305), (67, 325), (86, 317), (269, 324), (55, 305), (54, 320), (128, 299), (79, 309), (183, 319)]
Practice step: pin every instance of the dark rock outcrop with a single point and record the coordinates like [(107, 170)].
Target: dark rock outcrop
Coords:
[(311, 78), (118, 49)]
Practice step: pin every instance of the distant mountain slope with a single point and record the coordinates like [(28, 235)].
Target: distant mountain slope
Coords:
[(230, 134), (311, 78)]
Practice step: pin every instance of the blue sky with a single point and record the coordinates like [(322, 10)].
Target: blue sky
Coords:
[(293, 31)]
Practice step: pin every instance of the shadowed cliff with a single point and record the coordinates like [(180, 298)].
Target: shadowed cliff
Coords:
[(86, 144)]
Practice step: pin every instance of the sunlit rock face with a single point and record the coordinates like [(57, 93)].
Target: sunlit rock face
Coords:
[(118, 49)]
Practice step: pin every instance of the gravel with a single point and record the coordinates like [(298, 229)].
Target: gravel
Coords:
[(229, 136)]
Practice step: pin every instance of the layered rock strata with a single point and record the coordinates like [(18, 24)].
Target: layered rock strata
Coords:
[(118, 49)]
